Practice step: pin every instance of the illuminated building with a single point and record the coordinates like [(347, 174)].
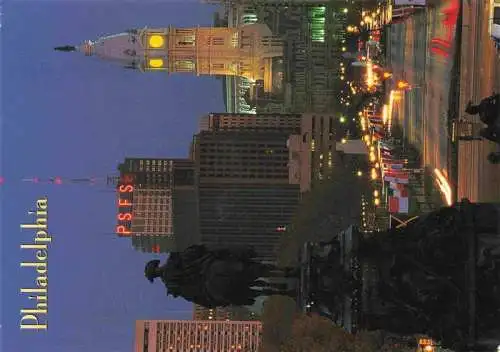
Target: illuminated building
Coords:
[(244, 191), (157, 203), (222, 313), (287, 123), (306, 77), (312, 153), (242, 95), (311, 139), (312, 59), (280, 3), (245, 51), (197, 336)]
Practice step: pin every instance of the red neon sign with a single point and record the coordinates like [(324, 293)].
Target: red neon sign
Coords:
[(125, 216)]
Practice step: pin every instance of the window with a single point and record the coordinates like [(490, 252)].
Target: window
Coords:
[(217, 41), (184, 65), (496, 16), (218, 66), (186, 40)]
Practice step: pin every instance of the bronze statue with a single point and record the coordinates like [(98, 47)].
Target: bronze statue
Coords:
[(67, 48), (488, 109), (218, 277)]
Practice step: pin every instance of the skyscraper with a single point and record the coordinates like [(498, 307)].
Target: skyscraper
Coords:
[(244, 191), (245, 51), (286, 123), (223, 313), (157, 203), (197, 336), (311, 143)]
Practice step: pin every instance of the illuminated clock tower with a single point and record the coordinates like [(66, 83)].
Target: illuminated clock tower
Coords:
[(246, 51)]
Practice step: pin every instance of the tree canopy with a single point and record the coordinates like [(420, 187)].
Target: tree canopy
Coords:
[(332, 205), (318, 334)]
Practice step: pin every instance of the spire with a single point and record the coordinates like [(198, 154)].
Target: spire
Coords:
[(67, 48)]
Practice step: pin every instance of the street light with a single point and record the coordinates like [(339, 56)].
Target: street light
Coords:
[(402, 84), (359, 173), (342, 119)]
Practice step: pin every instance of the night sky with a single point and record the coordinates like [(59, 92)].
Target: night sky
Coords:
[(64, 114)]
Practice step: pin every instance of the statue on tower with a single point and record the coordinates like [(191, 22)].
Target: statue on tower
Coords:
[(218, 277), (67, 48)]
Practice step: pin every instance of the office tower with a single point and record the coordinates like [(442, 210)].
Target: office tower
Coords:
[(283, 3), (157, 203), (244, 191), (311, 144), (313, 151), (246, 51), (223, 313), (286, 123), (197, 336)]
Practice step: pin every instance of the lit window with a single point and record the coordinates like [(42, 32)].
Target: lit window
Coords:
[(156, 41), (156, 63)]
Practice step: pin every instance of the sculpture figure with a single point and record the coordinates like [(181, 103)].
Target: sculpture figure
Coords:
[(218, 277), (488, 109)]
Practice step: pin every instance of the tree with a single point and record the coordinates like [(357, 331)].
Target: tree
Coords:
[(277, 319), (332, 205), (315, 333)]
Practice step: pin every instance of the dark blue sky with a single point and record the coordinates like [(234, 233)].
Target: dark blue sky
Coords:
[(67, 115)]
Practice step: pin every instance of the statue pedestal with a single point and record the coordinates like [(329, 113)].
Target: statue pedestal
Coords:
[(439, 276)]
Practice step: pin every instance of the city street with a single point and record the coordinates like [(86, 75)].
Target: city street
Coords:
[(421, 51), (478, 180)]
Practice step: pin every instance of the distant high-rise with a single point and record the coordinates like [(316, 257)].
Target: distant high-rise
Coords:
[(286, 123), (197, 336), (268, 2), (311, 145), (223, 313), (244, 190), (157, 203), (246, 51)]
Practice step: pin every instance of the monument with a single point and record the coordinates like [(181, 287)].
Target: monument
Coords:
[(439, 276), (218, 277)]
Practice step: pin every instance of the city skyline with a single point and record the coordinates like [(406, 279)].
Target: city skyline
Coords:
[(83, 117)]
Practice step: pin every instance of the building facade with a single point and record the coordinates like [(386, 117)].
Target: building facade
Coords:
[(150, 192), (223, 313), (286, 123), (246, 51), (314, 39), (312, 139), (244, 191), (197, 336), (313, 152)]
